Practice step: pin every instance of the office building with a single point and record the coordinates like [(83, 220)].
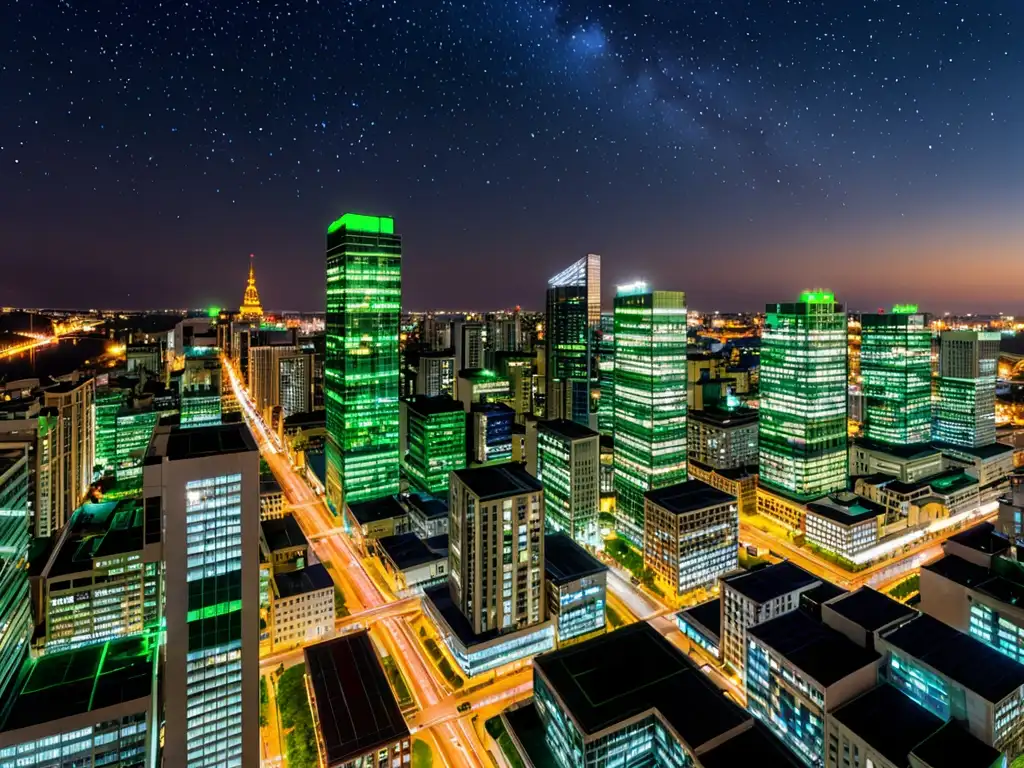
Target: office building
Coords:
[(606, 376), (691, 535), (144, 357), (576, 589), (428, 515), (75, 446), (482, 385), (199, 388), (103, 579), (752, 597), (490, 432), (203, 484), (469, 345), (93, 706), (568, 463), (571, 326), (412, 562), (283, 545), (356, 717), (133, 430), (519, 372), (364, 297), (301, 606), (492, 610), (107, 402), (798, 669), (435, 429), (435, 374), (24, 422), (845, 524), (907, 463), (896, 375), (739, 482), (281, 376), (15, 607), (802, 430), (722, 438), (650, 400), (965, 406), (702, 626)]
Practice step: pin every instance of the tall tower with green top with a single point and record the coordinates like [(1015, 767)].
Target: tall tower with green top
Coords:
[(802, 433), (896, 369), (650, 400), (364, 300)]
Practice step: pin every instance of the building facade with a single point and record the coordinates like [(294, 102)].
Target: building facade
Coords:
[(75, 449), (364, 297), (15, 606), (965, 407), (722, 439), (568, 464), (435, 443), (572, 320)]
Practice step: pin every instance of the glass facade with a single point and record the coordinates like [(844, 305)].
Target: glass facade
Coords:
[(569, 470), (437, 446), (108, 403), (364, 296), (580, 609), (965, 406), (896, 374), (201, 388), (572, 320), (134, 431), (650, 400), (606, 366), (119, 742), (15, 606), (520, 645), (802, 434), (213, 519), (931, 691)]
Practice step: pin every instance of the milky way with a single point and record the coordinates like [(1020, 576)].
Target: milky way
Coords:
[(729, 149)]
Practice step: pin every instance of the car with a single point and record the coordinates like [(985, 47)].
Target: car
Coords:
[(465, 706), (634, 581)]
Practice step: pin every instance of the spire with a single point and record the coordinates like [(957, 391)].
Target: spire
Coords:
[(251, 308)]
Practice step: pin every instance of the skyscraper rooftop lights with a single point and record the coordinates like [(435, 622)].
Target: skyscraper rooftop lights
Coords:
[(384, 225)]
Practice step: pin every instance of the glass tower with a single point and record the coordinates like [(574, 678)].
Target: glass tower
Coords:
[(437, 442), (650, 400), (108, 403), (606, 366), (802, 427), (572, 321), (134, 431), (896, 371), (364, 298), (965, 412), (15, 606)]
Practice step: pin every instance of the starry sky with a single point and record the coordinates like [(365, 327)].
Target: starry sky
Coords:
[(739, 150)]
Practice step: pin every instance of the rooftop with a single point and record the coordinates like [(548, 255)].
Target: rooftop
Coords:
[(981, 452), (525, 723), (755, 745), (958, 656), (441, 597), (905, 452), (84, 680), (197, 442), (269, 485), (724, 419), (432, 406), (407, 550), (953, 747), (820, 652), (822, 593), (355, 706), (660, 678), (498, 481), (950, 481), (771, 582), (688, 496), (312, 578), (384, 508), (283, 533), (565, 560), (707, 615), (872, 714), (306, 419), (870, 609), (570, 430), (99, 530), (430, 507), (846, 509), (982, 538)]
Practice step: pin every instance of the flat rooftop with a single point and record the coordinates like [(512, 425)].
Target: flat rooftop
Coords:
[(306, 419), (599, 693), (771, 582), (525, 724), (269, 485), (953, 747), (870, 609), (407, 550), (200, 441), (84, 680), (982, 538), (846, 509), (722, 418), (755, 745), (499, 481), (440, 597), (374, 510), (354, 703), (706, 615), (958, 656), (980, 452), (565, 560), (904, 452), (312, 578), (99, 530), (688, 496), (283, 533), (1005, 589), (432, 406), (820, 652), (569, 430), (430, 507), (950, 481), (871, 716)]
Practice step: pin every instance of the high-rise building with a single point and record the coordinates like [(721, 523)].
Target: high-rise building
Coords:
[(896, 374), (490, 432), (108, 402), (802, 436), (568, 463), (436, 442), (572, 322), (133, 431), (435, 374), (251, 309), (965, 412), (25, 422), (203, 485), (606, 366), (469, 344), (650, 400), (281, 376), (364, 298), (15, 605), (75, 449), (199, 387)]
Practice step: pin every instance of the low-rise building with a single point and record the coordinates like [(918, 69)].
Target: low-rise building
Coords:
[(740, 482), (283, 545), (845, 524), (909, 463), (355, 714), (990, 465), (577, 586), (702, 625), (720, 438), (302, 606), (861, 614), (377, 518), (428, 515), (271, 500), (414, 562), (691, 534)]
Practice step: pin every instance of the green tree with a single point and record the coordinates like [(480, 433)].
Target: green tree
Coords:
[(422, 754)]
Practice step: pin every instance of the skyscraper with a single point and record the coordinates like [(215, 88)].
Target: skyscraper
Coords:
[(436, 429), (571, 323), (568, 465), (203, 484), (965, 413), (75, 451), (802, 428), (364, 298), (15, 606), (896, 371), (108, 402), (606, 366), (650, 400)]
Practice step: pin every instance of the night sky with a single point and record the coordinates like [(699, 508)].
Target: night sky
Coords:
[(737, 150)]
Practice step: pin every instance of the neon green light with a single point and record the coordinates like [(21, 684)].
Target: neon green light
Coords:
[(904, 309), (358, 222), (209, 611), (631, 289), (213, 311), (817, 297)]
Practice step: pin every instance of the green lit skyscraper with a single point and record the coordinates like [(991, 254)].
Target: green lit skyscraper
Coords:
[(802, 430), (965, 411), (364, 298), (650, 400), (571, 324), (436, 428), (15, 605), (108, 403), (896, 371)]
